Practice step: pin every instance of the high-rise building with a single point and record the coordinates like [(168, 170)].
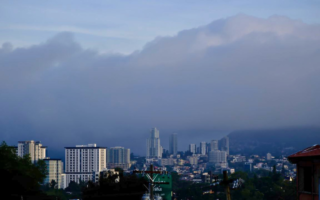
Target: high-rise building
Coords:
[(203, 148), (54, 172), (193, 148), (35, 150), (208, 148), (118, 157), (82, 160), (153, 144), (173, 144), (214, 145), (217, 156), (225, 144)]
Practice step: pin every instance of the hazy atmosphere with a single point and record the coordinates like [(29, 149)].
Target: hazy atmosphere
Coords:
[(206, 77)]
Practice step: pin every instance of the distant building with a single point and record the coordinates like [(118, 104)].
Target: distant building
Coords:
[(203, 148), (225, 144), (82, 160), (193, 160), (173, 144), (248, 167), (34, 149), (193, 148), (55, 172), (167, 161), (118, 157), (214, 145), (217, 156), (269, 156), (153, 145)]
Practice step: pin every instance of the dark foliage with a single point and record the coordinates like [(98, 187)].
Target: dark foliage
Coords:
[(21, 177), (129, 187)]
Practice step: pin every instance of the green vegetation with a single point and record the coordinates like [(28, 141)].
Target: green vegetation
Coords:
[(268, 187), (21, 176)]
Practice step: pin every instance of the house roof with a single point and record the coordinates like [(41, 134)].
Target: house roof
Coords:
[(307, 152)]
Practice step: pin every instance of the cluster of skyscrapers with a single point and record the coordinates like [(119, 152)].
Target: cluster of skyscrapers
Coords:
[(154, 148), (217, 150)]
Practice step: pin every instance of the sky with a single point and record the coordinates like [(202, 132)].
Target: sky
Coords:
[(106, 72)]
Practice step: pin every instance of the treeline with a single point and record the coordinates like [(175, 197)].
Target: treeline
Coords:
[(270, 186)]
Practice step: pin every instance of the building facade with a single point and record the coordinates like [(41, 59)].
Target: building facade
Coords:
[(173, 144), (214, 145), (193, 148), (225, 144), (55, 172), (153, 145), (203, 146), (217, 156), (82, 160), (118, 157), (34, 148)]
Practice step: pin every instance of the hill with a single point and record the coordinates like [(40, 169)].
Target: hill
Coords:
[(277, 141)]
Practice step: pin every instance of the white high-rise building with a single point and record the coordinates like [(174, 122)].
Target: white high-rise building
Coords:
[(203, 146), (193, 148), (55, 172), (217, 156), (118, 157), (153, 145), (173, 144), (33, 148), (82, 160)]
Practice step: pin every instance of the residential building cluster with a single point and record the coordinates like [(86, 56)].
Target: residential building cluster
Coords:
[(82, 162)]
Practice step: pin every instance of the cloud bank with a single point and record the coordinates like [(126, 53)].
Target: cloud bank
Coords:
[(240, 72)]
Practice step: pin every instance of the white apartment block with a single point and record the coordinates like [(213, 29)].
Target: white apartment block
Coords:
[(82, 160), (55, 172), (33, 148)]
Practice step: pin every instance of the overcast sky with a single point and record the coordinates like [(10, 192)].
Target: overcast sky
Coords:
[(107, 72)]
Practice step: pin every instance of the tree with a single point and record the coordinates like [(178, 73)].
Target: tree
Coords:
[(20, 174), (53, 184)]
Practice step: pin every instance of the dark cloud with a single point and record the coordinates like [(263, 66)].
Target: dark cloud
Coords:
[(236, 73)]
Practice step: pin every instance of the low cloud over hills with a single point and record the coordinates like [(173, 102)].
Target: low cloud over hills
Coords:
[(240, 72)]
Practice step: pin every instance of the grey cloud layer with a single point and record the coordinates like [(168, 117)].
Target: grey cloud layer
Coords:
[(236, 73)]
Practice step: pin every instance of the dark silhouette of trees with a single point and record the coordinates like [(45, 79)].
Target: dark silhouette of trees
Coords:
[(20, 175)]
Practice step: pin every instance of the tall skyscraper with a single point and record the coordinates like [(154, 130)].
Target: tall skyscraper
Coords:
[(34, 149), (203, 148), (214, 145), (54, 172), (173, 144), (82, 160), (118, 157), (225, 144), (153, 145), (193, 148)]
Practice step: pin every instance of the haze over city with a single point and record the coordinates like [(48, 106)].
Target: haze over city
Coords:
[(107, 72)]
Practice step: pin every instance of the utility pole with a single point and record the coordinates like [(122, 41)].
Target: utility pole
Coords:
[(225, 180), (152, 181)]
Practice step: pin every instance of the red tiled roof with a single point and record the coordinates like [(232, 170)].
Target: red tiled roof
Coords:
[(308, 152)]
